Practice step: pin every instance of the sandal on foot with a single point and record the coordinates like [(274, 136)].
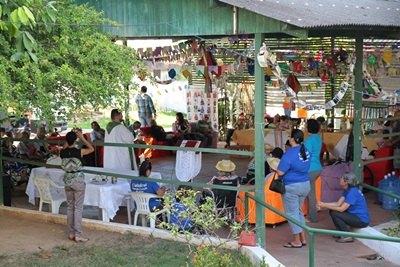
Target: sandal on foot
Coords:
[(292, 245)]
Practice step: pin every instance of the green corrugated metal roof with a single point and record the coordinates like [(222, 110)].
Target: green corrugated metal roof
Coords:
[(183, 18)]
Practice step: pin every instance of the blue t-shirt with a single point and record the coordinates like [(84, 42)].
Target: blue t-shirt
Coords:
[(176, 217), (294, 167), (358, 206), (147, 187), (314, 144)]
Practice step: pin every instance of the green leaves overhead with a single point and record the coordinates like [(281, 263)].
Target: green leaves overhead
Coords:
[(72, 66), (17, 20)]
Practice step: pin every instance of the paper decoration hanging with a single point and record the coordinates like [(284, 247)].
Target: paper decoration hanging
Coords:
[(376, 92)]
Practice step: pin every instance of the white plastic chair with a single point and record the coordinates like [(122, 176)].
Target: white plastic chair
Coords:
[(142, 207), (50, 193)]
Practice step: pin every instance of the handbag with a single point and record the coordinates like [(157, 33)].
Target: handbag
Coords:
[(277, 185)]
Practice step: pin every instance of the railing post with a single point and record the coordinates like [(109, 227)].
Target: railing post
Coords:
[(1, 173), (358, 108), (311, 248), (259, 111), (246, 211)]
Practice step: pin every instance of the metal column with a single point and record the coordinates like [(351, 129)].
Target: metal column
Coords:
[(358, 107), (259, 111)]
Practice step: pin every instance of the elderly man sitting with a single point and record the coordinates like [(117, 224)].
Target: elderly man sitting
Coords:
[(27, 150)]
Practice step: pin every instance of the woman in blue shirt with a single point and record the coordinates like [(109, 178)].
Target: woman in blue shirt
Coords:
[(313, 144), (148, 187), (351, 208), (294, 167)]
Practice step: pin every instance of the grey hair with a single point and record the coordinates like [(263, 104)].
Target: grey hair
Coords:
[(350, 178)]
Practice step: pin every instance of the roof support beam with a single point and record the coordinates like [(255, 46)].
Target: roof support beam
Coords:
[(294, 31)]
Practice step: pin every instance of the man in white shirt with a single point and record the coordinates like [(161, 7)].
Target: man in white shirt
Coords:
[(120, 158)]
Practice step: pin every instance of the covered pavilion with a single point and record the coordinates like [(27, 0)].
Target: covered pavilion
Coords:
[(260, 19)]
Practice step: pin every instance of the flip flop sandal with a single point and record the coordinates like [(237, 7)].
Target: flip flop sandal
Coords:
[(292, 245)]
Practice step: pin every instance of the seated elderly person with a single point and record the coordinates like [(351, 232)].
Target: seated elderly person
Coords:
[(97, 133), (159, 133), (204, 128), (226, 176), (42, 148), (148, 187), (240, 124), (277, 152), (27, 150), (351, 208)]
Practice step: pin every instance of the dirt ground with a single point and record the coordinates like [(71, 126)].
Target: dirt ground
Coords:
[(28, 236)]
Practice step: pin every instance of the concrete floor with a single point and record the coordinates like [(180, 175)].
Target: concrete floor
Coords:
[(327, 251)]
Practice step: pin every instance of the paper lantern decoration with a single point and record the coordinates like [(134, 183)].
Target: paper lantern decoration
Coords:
[(387, 56), (268, 71), (297, 66), (330, 63), (250, 69), (314, 65), (341, 55), (172, 73), (371, 60), (293, 82), (186, 73)]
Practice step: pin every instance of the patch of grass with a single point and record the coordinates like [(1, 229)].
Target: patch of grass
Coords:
[(128, 250)]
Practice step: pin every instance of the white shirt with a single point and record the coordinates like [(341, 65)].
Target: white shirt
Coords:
[(118, 157)]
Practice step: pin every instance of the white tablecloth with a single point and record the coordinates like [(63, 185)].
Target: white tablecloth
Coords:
[(188, 163), (108, 196)]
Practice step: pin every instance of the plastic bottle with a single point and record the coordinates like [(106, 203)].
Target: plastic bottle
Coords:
[(396, 183), (390, 203), (382, 184)]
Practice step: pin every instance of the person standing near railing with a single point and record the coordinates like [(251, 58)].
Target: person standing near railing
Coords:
[(74, 181), (313, 144), (351, 208), (294, 167)]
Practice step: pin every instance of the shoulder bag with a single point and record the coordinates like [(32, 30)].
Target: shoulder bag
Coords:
[(277, 184)]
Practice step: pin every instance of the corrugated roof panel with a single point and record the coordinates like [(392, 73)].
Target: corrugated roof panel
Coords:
[(322, 13)]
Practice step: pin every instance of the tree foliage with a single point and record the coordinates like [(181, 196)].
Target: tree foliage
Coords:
[(17, 22), (77, 65)]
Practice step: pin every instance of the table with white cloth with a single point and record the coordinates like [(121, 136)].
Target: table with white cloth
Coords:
[(108, 197)]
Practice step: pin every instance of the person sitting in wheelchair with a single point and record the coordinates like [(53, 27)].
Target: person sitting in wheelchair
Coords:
[(224, 199)]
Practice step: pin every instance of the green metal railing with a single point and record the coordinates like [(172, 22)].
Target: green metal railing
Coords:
[(312, 231), (141, 178)]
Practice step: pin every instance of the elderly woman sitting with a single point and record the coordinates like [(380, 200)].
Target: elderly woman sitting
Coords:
[(351, 208)]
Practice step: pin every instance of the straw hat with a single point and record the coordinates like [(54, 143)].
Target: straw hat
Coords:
[(273, 163), (225, 166)]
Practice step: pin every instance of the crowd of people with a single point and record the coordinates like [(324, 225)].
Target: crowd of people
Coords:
[(299, 165)]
